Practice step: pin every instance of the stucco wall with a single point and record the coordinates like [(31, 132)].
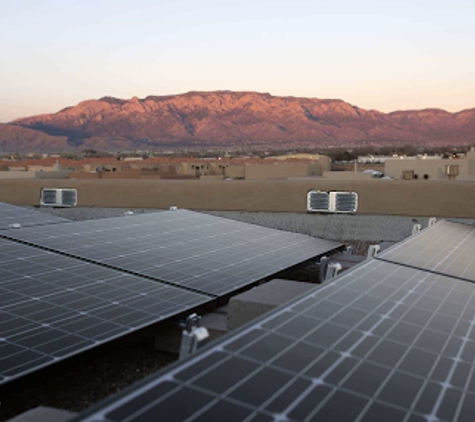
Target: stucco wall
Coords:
[(419, 198), (277, 170), (34, 174), (347, 175)]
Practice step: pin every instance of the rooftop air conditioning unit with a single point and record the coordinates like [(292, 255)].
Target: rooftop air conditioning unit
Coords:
[(49, 197), (318, 201), (332, 202), (344, 202), (59, 197)]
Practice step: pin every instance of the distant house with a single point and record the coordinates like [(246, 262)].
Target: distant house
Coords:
[(425, 168)]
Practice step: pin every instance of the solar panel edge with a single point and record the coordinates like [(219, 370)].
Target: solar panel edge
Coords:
[(410, 238), (6, 229), (157, 318), (231, 336), (4, 383), (252, 224), (46, 219), (100, 410), (329, 246), (414, 267), (100, 264), (412, 258)]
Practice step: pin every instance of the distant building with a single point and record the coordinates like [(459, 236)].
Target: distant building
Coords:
[(256, 171), (428, 168), (381, 159), (34, 171)]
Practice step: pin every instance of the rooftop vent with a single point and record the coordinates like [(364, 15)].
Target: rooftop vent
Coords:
[(332, 202), (344, 202), (69, 197), (58, 197), (49, 197), (318, 201)]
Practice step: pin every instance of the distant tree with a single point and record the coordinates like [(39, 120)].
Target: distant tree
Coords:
[(71, 156), (88, 153)]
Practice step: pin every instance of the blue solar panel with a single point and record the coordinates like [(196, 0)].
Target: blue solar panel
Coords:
[(25, 217), (53, 307), (209, 254), (445, 248), (382, 343)]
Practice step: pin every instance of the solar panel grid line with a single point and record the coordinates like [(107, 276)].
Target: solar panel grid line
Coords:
[(328, 371), (263, 322), (55, 323), (428, 250), (130, 293), (11, 214), (211, 255), (433, 416), (119, 331), (104, 306), (401, 358), (401, 244), (331, 368), (197, 240), (99, 264)]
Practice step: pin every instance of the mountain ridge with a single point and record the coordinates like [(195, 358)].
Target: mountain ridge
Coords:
[(243, 119)]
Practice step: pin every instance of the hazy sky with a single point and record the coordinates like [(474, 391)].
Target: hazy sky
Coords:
[(377, 54)]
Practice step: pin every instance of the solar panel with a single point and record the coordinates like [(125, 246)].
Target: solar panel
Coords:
[(11, 214), (445, 248), (209, 254), (383, 343), (53, 306)]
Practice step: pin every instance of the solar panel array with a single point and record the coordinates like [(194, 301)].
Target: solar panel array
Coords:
[(73, 286), (11, 214), (209, 254), (446, 248), (382, 343), (52, 306)]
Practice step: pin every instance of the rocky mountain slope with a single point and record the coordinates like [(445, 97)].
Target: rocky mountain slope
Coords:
[(19, 139), (227, 119)]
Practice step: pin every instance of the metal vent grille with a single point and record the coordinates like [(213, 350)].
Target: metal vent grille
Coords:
[(332, 202), (59, 197), (49, 197), (318, 201), (69, 197), (344, 202)]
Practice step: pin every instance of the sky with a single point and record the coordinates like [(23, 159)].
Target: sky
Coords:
[(377, 54)]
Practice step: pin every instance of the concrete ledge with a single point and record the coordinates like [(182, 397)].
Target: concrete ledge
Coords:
[(43, 414), (259, 300)]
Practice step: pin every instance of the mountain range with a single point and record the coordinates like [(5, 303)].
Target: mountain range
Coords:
[(230, 119)]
